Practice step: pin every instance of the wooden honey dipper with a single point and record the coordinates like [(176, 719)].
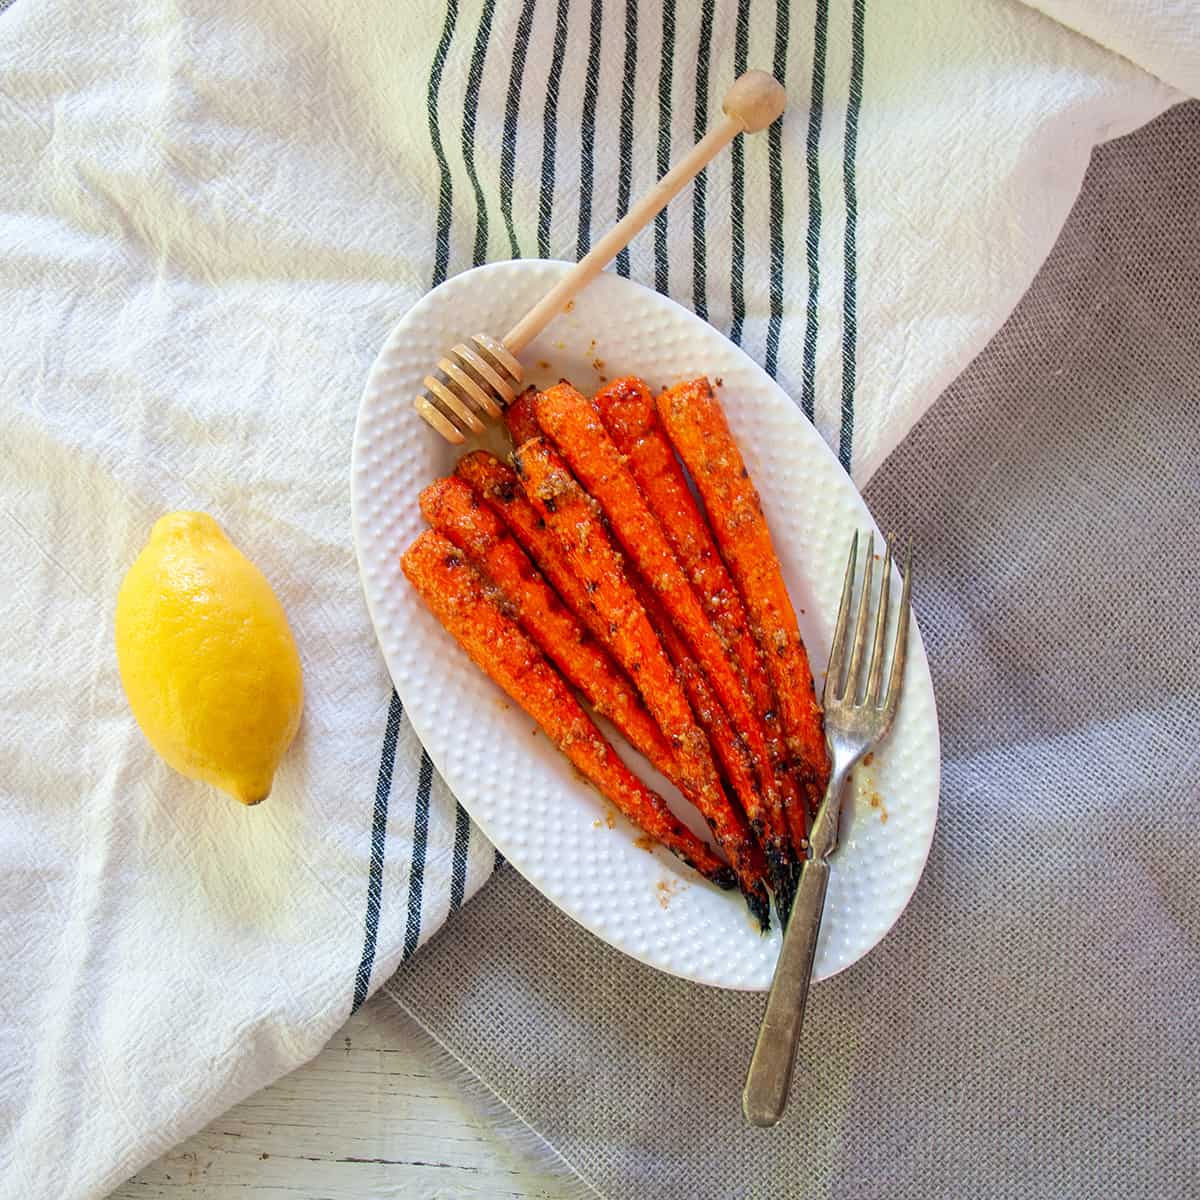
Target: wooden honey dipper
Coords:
[(481, 378)]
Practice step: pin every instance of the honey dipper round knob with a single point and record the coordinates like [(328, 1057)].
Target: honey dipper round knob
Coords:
[(477, 378), (756, 99)]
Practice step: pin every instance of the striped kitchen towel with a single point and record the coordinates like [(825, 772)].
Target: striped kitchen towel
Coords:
[(210, 216)]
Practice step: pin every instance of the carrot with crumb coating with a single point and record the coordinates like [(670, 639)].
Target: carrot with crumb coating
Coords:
[(454, 509), (570, 514), (698, 430), (626, 407), (729, 749), (575, 426), (519, 419), (501, 489), (473, 615)]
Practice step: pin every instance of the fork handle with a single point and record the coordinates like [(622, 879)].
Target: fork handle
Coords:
[(770, 1073)]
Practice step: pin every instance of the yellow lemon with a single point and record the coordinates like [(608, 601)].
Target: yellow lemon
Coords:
[(207, 659)]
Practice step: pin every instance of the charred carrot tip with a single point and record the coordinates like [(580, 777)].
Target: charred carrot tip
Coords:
[(760, 908), (780, 869), (725, 878)]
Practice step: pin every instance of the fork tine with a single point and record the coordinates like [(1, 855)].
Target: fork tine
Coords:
[(837, 651), (875, 673), (897, 674), (850, 692)]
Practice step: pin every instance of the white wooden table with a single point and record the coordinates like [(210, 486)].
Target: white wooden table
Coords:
[(369, 1118)]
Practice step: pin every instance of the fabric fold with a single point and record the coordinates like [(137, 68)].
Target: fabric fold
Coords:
[(210, 217)]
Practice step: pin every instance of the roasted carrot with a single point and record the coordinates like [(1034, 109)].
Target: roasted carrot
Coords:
[(472, 613), (626, 407), (575, 426), (571, 515), (455, 510), (698, 430), (499, 486), (518, 417), (730, 750)]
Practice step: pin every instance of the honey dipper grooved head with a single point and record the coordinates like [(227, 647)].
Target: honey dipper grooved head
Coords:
[(478, 379)]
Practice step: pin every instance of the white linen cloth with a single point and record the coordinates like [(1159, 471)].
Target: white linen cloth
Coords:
[(209, 217)]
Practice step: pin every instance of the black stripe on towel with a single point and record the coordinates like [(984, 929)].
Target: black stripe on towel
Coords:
[(383, 790), (470, 115), (462, 846), (775, 163), (666, 71), (441, 257), (700, 187), (808, 393), (737, 273), (512, 109), (412, 932), (550, 129), (462, 822), (625, 173), (416, 876), (587, 130), (387, 758), (850, 287)]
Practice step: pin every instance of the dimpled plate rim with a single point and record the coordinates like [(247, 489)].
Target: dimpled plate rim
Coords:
[(553, 828)]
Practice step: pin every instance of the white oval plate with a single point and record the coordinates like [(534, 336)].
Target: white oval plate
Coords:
[(553, 828)]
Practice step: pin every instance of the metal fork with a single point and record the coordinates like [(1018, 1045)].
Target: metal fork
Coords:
[(853, 725)]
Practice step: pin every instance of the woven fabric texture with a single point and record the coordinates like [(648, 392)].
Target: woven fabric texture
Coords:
[(1030, 1028)]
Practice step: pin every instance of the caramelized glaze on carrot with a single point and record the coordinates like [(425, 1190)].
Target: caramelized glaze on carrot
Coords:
[(575, 426), (473, 614), (572, 516), (499, 486), (455, 510), (626, 407), (697, 428), (730, 750)]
